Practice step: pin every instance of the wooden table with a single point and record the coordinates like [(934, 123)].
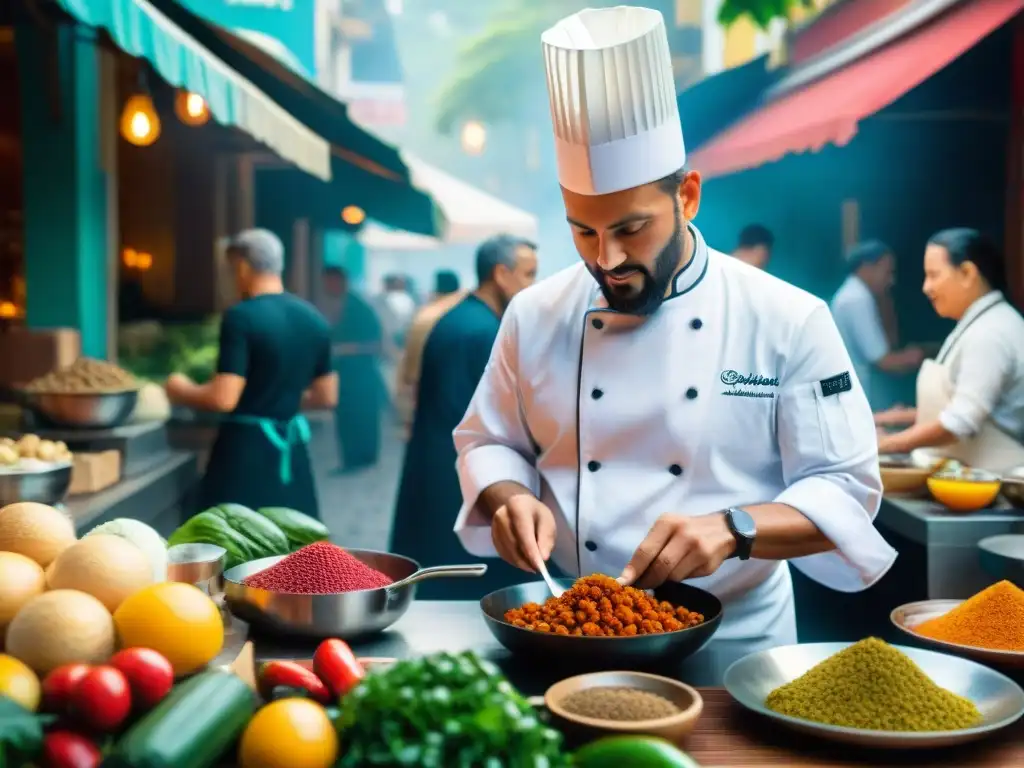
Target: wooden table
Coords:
[(727, 735)]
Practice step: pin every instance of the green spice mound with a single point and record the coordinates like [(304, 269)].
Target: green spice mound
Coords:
[(873, 686)]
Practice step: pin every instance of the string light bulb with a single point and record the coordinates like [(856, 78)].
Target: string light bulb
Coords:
[(140, 124), (473, 138), (353, 215), (191, 108)]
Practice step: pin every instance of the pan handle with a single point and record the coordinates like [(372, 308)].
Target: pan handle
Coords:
[(441, 571)]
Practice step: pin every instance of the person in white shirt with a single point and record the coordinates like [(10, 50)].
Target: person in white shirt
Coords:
[(754, 246), (855, 310), (662, 411), (970, 399)]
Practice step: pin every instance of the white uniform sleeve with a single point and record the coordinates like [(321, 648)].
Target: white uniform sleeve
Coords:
[(829, 455), (986, 364), (868, 332), (493, 441)]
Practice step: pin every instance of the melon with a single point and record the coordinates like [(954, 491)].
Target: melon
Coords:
[(109, 568), (21, 579), (61, 627), (36, 531)]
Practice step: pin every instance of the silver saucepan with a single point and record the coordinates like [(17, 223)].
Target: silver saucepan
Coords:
[(345, 614)]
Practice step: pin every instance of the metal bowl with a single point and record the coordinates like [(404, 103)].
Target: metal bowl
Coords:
[(47, 486), (1013, 491), (997, 697), (908, 616), (1003, 557), (346, 615), (601, 651), (83, 411), (201, 565)]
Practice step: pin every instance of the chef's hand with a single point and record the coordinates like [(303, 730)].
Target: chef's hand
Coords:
[(680, 547), (523, 532)]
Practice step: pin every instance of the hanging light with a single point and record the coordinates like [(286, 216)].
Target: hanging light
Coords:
[(473, 138), (191, 108), (353, 215), (8, 310), (140, 124), (143, 261)]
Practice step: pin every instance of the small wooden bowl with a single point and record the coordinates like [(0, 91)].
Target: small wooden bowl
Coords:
[(674, 728)]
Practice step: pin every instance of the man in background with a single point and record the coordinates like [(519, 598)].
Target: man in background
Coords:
[(454, 357), (856, 310), (357, 344), (755, 245), (274, 361), (446, 295)]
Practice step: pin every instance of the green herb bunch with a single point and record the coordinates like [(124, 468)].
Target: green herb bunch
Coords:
[(444, 711)]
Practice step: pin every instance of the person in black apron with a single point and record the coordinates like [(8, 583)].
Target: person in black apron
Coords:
[(454, 358), (274, 360)]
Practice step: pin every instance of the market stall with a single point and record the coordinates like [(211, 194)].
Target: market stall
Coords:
[(247, 638), (92, 437)]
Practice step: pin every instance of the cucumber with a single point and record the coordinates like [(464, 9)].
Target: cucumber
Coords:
[(192, 728), (301, 529)]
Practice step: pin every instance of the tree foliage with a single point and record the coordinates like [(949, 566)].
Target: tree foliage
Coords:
[(497, 68)]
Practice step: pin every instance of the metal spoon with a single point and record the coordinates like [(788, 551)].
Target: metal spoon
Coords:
[(553, 587), (438, 571)]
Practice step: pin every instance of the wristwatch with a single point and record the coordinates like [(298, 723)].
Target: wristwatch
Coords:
[(743, 529)]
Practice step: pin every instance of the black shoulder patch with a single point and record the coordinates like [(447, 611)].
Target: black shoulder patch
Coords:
[(836, 384)]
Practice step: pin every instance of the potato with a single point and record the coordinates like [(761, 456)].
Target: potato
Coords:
[(46, 451), (8, 456)]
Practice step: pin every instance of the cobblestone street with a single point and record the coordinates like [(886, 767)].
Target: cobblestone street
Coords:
[(359, 507)]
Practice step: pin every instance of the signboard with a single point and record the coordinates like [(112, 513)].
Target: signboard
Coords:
[(283, 28)]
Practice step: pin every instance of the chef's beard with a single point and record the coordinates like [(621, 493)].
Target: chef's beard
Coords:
[(655, 284)]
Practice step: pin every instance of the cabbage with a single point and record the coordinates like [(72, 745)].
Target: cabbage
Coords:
[(143, 537)]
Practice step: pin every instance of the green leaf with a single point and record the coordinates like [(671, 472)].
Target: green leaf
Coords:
[(21, 733)]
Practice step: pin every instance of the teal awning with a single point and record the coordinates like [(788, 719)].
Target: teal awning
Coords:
[(139, 29), (360, 159)]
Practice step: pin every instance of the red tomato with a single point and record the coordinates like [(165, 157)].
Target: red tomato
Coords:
[(102, 700), (59, 685), (149, 674), (64, 749), (337, 666)]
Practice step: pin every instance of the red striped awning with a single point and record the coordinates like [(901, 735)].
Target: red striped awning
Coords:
[(828, 110)]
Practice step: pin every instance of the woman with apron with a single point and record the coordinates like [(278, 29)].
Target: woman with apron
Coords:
[(970, 399), (274, 360)]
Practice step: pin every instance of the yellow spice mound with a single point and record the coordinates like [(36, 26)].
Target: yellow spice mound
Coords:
[(992, 619), (873, 686)]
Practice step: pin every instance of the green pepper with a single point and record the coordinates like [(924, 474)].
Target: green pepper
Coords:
[(245, 534), (634, 751)]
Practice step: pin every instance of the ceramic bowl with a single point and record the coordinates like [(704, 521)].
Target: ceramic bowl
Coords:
[(674, 728), (966, 491)]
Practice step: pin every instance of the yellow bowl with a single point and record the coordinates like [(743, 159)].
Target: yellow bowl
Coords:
[(965, 494)]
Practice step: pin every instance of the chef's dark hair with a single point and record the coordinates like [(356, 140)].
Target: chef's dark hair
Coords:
[(964, 244), (497, 250), (445, 282), (866, 252)]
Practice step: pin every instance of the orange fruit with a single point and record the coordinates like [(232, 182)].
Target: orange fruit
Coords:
[(289, 733), (178, 620), (19, 683)]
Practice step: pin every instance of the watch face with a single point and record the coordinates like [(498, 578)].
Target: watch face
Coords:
[(743, 523)]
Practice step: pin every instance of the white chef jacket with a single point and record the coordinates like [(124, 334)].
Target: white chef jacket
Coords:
[(985, 357), (738, 390), (860, 324)]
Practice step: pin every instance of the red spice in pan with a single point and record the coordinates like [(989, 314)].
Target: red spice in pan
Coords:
[(320, 568)]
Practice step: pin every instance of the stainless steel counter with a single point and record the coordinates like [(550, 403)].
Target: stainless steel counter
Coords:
[(949, 539)]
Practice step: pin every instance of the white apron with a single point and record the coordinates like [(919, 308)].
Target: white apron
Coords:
[(737, 391), (990, 449)]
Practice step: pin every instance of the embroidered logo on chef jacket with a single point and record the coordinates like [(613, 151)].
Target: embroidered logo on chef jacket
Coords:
[(749, 385)]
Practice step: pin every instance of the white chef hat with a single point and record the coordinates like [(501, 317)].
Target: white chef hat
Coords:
[(613, 100)]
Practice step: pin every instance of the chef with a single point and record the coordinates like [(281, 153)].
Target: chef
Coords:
[(662, 411), (970, 399)]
